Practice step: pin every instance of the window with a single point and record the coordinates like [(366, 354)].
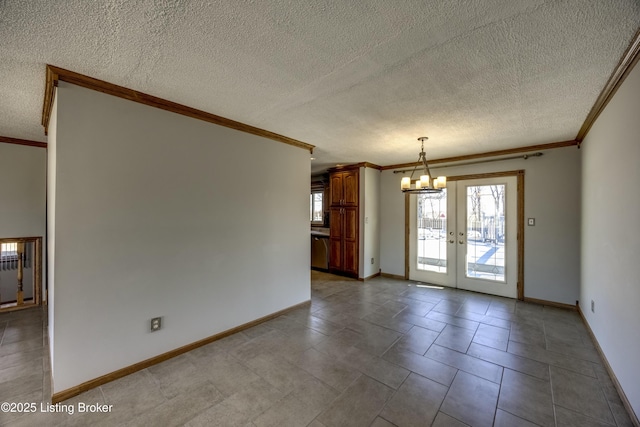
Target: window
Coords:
[(9, 251), (316, 207), (9, 256)]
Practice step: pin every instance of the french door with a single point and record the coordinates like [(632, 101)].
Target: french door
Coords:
[(466, 236)]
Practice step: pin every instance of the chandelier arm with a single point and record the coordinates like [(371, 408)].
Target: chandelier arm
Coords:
[(413, 172), (425, 166)]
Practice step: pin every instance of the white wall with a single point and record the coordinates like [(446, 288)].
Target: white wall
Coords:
[(156, 215), (369, 222), (23, 172), (392, 220), (611, 234), (552, 197)]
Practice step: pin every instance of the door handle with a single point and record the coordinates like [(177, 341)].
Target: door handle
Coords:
[(452, 241), (461, 242)]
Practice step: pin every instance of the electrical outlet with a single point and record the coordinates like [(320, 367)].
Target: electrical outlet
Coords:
[(593, 306), (371, 260), (156, 324), (531, 222)]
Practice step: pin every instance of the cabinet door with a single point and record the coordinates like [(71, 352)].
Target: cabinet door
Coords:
[(350, 241), (335, 240), (335, 254), (350, 257), (335, 223), (337, 193), (350, 188), (350, 228)]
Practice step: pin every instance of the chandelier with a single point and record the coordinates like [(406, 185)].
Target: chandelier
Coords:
[(425, 184)]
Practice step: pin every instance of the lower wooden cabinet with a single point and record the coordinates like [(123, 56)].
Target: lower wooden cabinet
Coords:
[(343, 241)]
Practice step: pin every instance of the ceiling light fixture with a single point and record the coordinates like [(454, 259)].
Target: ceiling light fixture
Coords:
[(425, 184)]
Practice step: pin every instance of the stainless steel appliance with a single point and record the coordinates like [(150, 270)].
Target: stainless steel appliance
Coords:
[(319, 250)]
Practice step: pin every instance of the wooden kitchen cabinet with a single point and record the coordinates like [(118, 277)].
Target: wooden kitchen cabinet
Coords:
[(344, 188), (343, 223)]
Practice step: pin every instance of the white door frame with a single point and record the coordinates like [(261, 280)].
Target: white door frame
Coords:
[(519, 218), (447, 278)]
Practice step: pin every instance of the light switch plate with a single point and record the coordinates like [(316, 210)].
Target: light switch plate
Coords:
[(156, 324), (531, 221)]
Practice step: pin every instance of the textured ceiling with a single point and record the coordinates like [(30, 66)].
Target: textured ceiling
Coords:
[(359, 80)]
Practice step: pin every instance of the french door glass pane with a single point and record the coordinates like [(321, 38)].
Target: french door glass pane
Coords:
[(432, 232), (486, 232)]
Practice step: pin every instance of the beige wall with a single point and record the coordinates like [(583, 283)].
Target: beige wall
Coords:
[(611, 234), (552, 197), (22, 190), (157, 216), (369, 222), (22, 202)]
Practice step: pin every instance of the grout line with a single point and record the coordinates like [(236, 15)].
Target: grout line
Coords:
[(553, 398), (495, 412)]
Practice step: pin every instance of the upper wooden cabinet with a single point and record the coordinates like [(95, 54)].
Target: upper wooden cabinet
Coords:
[(344, 188)]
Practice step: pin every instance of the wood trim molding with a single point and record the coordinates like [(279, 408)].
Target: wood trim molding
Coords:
[(520, 235), (373, 276), (392, 276), (354, 166), (51, 81), (516, 172), (37, 297), (550, 303), (620, 73), (372, 166), (96, 382), (407, 230), (8, 140), (24, 239), (497, 153), (625, 400), (55, 75), (344, 168)]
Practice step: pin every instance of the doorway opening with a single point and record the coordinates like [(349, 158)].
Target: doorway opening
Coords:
[(469, 236), (20, 273)]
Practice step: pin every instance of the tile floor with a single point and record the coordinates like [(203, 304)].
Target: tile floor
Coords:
[(380, 353)]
